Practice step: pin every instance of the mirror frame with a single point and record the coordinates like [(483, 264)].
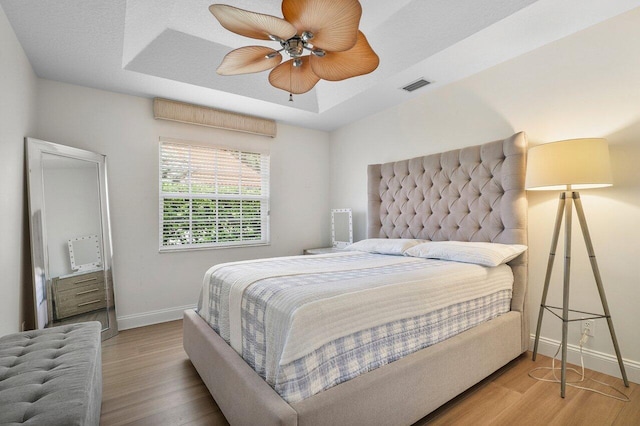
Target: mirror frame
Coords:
[(37, 222), (341, 244)]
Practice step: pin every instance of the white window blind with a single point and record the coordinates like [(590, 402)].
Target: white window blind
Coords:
[(212, 197)]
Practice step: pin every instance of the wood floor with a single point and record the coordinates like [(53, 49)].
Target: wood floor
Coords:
[(148, 380)]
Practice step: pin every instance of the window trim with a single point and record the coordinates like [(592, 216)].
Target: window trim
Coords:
[(265, 215)]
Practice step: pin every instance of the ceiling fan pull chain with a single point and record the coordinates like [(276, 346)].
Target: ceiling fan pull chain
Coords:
[(290, 94)]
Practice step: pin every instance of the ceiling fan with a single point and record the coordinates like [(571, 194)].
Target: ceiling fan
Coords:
[(326, 29)]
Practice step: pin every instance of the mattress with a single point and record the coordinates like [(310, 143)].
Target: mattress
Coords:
[(307, 323)]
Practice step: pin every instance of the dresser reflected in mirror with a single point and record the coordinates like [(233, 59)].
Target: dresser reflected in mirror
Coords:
[(70, 236)]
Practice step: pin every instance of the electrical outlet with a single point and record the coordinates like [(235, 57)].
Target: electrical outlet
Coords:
[(588, 327)]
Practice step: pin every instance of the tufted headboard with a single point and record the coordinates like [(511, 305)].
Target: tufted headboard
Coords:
[(470, 194)]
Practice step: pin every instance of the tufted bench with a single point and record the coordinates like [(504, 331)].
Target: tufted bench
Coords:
[(51, 376)]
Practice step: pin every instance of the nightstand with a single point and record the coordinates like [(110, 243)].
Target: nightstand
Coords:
[(322, 250), (79, 293)]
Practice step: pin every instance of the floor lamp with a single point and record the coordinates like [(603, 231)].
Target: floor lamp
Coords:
[(568, 166)]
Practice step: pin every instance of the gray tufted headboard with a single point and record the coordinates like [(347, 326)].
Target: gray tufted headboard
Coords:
[(470, 194)]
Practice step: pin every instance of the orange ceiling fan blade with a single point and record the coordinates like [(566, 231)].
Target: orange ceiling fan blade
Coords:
[(292, 79), (333, 23), (249, 59), (251, 24), (335, 66)]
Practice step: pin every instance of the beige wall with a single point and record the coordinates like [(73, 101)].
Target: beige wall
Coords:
[(150, 286), (586, 85), (17, 100)]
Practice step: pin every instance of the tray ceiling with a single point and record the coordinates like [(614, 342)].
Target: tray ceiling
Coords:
[(171, 49)]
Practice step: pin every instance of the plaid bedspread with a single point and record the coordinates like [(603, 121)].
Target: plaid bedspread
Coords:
[(269, 301)]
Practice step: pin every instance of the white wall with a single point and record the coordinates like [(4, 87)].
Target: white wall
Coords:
[(150, 286), (586, 85), (17, 99)]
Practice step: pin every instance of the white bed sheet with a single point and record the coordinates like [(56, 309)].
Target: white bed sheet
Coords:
[(310, 312)]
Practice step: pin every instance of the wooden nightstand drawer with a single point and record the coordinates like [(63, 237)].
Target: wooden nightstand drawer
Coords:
[(89, 306), (74, 282), (71, 303)]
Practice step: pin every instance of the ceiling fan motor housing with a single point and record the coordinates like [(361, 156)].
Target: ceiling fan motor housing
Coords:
[(294, 46)]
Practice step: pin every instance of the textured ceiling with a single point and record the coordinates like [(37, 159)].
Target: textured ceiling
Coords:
[(171, 49)]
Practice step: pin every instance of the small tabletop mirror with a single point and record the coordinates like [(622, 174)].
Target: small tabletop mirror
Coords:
[(341, 228), (84, 253)]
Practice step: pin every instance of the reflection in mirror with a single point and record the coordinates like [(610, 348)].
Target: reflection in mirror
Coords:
[(85, 253), (70, 236), (341, 228)]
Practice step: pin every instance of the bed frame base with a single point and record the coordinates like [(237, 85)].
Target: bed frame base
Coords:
[(399, 393)]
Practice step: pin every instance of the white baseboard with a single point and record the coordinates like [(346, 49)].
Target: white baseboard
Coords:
[(126, 322), (593, 360)]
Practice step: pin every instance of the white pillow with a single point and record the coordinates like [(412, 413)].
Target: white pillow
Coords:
[(486, 254), (396, 246)]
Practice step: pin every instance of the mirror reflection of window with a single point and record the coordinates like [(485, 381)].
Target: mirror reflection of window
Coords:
[(341, 228)]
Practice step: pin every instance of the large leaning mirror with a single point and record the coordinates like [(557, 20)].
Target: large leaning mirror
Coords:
[(70, 236)]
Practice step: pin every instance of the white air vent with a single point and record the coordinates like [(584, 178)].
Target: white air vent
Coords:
[(416, 85)]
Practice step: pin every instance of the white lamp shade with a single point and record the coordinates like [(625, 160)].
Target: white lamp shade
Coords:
[(570, 164)]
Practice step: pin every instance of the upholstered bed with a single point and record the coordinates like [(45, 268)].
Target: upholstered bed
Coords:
[(475, 194)]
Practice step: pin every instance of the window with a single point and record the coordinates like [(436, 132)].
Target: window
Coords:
[(212, 197)]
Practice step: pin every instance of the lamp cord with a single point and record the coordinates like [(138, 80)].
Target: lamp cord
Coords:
[(553, 368)]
